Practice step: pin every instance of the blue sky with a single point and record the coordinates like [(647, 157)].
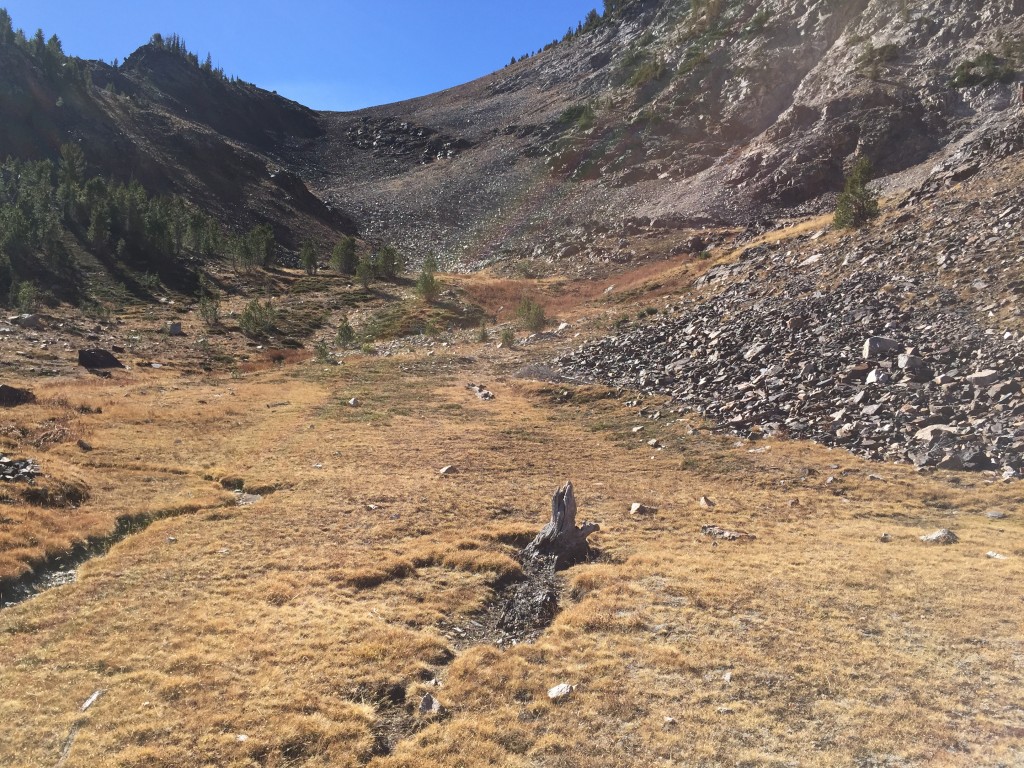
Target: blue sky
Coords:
[(344, 54)]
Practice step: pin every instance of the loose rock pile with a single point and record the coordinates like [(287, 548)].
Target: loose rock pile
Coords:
[(391, 137), (898, 344), (13, 470)]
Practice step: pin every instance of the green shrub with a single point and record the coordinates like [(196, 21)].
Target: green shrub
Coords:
[(257, 319), (25, 297), (582, 116), (322, 353), (651, 70), (209, 311), (532, 315), (857, 205), (427, 285), (985, 69), (307, 255), (508, 338), (757, 24), (483, 336), (346, 334)]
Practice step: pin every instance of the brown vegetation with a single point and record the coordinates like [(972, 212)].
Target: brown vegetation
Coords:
[(303, 630)]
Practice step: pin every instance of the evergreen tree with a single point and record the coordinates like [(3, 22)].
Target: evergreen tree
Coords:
[(857, 205), (388, 262), (365, 271), (308, 257), (344, 259), (38, 44), (427, 285), (6, 28)]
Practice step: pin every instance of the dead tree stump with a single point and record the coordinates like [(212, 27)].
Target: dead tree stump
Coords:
[(561, 539)]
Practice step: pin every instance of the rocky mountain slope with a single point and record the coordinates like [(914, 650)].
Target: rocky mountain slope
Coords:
[(715, 112), (904, 341), (174, 126)]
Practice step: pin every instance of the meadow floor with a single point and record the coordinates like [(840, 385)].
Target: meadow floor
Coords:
[(304, 629)]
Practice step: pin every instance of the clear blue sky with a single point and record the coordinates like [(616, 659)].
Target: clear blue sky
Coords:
[(340, 54)]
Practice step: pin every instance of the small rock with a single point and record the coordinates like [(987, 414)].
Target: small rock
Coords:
[(84, 446), (706, 503), (92, 700), (885, 538), (31, 322), (172, 540), (653, 443), (877, 346), (995, 514), (174, 329), (561, 692), (755, 352), (983, 378), (932, 433), (941, 536), (449, 470), (355, 402), (717, 532), (995, 556), (642, 509), (431, 706)]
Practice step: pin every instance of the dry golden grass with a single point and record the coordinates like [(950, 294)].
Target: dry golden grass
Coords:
[(296, 631), (302, 630)]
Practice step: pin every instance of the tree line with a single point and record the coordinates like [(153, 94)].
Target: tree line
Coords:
[(47, 207)]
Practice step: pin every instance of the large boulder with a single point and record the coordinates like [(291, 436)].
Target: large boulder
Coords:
[(11, 397), (97, 358)]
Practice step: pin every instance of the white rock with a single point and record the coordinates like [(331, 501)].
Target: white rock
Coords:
[(941, 536), (561, 692), (706, 503), (983, 378), (879, 345), (449, 470), (642, 509), (933, 433), (92, 699), (995, 556)]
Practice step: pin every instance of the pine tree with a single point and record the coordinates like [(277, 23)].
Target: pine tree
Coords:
[(308, 257), (6, 28), (427, 285), (344, 259), (388, 262), (365, 272), (857, 205)]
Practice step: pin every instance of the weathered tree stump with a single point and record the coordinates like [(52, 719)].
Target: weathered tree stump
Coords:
[(561, 539)]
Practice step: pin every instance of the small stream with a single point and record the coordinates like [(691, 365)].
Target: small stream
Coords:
[(63, 569)]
